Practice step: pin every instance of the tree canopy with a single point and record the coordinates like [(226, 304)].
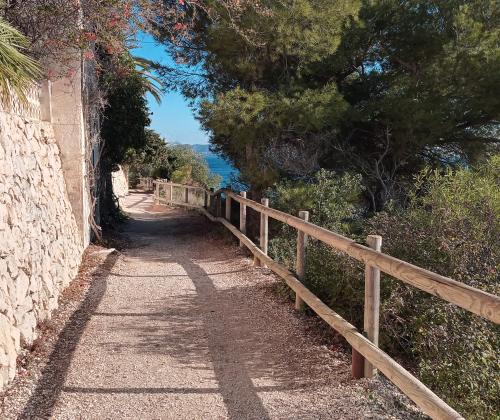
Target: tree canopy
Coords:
[(177, 162), (380, 88)]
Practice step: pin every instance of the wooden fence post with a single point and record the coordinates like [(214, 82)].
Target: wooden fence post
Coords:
[(300, 266), (186, 198), (171, 198), (218, 203), (357, 361), (360, 366), (243, 217), (157, 193), (372, 302), (228, 208), (264, 231)]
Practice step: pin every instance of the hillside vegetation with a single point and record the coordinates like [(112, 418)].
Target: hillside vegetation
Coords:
[(450, 225)]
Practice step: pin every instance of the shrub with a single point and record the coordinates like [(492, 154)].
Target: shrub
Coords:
[(334, 203), (179, 163), (450, 225), (133, 179), (189, 166)]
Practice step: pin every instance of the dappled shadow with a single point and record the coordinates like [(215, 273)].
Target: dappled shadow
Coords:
[(230, 370), (208, 328), (162, 276), (240, 329), (160, 390), (247, 354), (226, 329)]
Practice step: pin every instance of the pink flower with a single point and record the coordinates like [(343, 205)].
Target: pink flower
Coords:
[(90, 36), (70, 73), (88, 55)]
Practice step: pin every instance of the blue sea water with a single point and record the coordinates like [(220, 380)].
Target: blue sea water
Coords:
[(221, 167), (217, 164)]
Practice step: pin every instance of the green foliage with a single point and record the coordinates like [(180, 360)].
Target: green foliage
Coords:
[(420, 89), (333, 203), (246, 123), (257, 78), (381, 88), (451, 225), (453, 220), (17, 70), (190, 167), (179, 163), (126, 117), (133, 179), (151, 159), (152, 84)]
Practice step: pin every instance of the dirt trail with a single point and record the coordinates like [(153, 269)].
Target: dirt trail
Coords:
[(183, 327)]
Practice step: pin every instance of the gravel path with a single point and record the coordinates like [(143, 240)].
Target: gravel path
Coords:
[(183, 327)]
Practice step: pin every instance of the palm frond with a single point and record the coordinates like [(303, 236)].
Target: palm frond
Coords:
[(17, 70), (152, 83)]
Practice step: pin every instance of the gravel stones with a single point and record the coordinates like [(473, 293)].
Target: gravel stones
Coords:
[(180, 325)]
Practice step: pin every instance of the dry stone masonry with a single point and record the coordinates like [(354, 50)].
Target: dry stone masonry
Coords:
[(120, 182), (40, 243)]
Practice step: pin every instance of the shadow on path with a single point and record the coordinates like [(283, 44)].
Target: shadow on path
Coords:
[(203, 325), (50, 384), (235, 385)]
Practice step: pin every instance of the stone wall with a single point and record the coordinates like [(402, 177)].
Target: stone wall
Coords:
[(40, 242), (120, 182)]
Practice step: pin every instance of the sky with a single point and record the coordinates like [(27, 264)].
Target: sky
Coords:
[(173, 119)]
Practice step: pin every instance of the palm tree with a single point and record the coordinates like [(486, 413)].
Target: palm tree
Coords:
[(17, 70), (151, 83)]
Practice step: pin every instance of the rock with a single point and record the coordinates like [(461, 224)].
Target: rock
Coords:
[(22, 309), (40, 247), (8, 351), (27, 328), (12, 269), (22, 285), (5, 303)]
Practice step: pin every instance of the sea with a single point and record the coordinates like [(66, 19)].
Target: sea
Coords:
[(218, 165)]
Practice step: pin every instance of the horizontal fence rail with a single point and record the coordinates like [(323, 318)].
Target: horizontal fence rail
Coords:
[(467, 297), (365, 349), (146, 183)]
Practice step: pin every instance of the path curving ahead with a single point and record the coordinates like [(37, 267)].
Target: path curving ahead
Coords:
[(183, 327)]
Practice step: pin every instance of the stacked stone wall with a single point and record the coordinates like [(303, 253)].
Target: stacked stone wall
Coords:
[(120, 182), (40, 243)]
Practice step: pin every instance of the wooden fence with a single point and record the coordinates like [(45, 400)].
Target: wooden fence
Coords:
[(171, 193), (366, 356), (146, 184)]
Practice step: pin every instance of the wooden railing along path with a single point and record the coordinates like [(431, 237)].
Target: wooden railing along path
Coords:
[(146, 183), (366, 357)]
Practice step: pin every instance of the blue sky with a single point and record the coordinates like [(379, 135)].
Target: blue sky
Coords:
[(173, 118)]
